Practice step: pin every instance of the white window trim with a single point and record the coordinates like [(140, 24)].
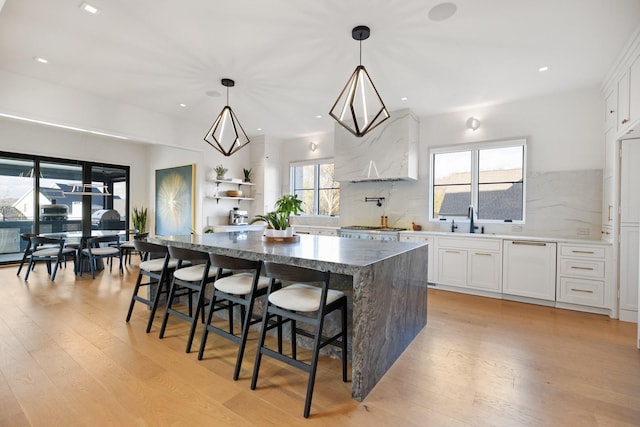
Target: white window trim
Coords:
[(474, 147)]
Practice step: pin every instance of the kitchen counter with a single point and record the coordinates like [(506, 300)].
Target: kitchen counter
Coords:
[(385, 283), (506, 237)]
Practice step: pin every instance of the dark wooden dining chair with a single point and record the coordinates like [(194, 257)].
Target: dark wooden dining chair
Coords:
[(309, 294), (156, 272), (97, 248), (51, 251), (26, 237), (237, 290), (190, 282)]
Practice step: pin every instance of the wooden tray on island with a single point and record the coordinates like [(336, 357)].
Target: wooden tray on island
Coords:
[(293, 239)]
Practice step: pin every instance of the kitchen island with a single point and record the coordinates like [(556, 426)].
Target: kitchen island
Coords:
[(385, 283)]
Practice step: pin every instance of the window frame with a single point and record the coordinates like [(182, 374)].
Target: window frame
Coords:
[(475, 148), (316, 188)]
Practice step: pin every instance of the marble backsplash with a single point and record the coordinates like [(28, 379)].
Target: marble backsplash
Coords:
[(564, 204)]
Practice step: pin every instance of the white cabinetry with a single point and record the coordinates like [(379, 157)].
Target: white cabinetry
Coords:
[(431, 267), (634, 90), (629, 256), (629, 228), (473, 263), (529, 269), (623, 101), (582, 275)]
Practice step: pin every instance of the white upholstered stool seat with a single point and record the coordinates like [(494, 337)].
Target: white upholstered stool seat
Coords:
[(300, 297), (195, 273), (102, 251), (239, 284)]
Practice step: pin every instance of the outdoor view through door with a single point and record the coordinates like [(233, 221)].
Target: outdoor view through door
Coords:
[(57, 197)]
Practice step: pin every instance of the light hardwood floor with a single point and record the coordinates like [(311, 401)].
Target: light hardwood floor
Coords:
[(68, 358)]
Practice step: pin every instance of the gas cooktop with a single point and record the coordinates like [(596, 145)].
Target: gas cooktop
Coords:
[(370, 228)]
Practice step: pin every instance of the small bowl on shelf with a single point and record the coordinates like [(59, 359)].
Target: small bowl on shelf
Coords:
[(234, 193)]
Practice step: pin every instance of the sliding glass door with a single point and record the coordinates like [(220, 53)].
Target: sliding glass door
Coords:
[(17, 203), (59, 197)]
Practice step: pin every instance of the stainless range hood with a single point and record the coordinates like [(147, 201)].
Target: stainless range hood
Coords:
[(388, 153)]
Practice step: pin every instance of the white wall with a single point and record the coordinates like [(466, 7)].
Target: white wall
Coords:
[(208, 211), (21, 137)]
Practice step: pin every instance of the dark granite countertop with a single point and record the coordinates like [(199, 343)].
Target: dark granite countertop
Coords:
[(335, 253)]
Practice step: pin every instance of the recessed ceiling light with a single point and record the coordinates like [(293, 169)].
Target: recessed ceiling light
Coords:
[(319, 116), (442, 11), (182, 105), (88, 8), (259, 129), (40, 60), (404, 98), (544, 68)]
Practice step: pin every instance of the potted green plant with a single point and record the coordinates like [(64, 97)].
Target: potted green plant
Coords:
[(220, 171), (247, 174), (289, 204), (139, 219)]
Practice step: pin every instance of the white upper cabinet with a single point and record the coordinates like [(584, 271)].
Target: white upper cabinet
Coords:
[(623, 101), (634, 90), (387, 153)]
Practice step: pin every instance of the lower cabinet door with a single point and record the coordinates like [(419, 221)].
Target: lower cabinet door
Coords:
[(452, 267), (485, 271), (529, 269)]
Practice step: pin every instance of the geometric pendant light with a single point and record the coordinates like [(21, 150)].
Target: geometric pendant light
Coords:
[(359, 107), (226, 134)]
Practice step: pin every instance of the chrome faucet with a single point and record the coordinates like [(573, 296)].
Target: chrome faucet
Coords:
[(471, 215)]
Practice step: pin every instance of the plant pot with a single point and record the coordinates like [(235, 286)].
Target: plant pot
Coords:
[(270, 232), (220, 177)]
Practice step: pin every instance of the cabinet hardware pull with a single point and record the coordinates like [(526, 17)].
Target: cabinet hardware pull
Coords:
[(582, 290), (583, 252), (582, 268), (482, 253), (520, 242), (625, 121), (612, 111), (453, 252), (610, 209)]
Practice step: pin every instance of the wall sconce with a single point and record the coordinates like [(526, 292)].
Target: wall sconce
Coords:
[(313, 146), (473, 123)]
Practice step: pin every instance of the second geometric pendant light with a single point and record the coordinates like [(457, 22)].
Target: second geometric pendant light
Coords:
[(359, 108), (226, 134)]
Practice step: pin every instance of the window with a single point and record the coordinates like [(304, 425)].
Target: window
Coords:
[(314, 184), (487, 176)]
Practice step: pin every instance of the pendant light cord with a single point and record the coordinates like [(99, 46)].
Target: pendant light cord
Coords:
[(227, 96), (360, 52)]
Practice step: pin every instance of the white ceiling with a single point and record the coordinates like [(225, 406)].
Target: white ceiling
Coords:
[(291, 58)]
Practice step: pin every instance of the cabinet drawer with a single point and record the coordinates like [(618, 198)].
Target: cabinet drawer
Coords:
[(581, 291), (582, 251), (585, 268), (470, 243)]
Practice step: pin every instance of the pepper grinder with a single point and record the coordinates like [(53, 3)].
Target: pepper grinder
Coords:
[(385, 221), (382, 221)]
